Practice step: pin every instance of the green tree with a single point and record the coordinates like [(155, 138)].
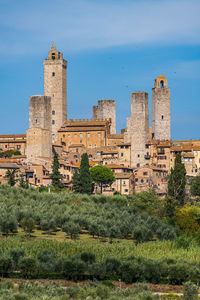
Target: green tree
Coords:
[(28, 266), (85, 182), (76, 182), (177, 181), (195, 186), (102, 175), (28, 225), (72, 229), (11, 177), (55, 176)]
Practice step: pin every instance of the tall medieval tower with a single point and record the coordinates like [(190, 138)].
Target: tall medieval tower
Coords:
[(55, 86), (139, 128), (161, 120)]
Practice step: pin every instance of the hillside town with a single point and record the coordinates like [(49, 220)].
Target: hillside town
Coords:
[(140, 156)]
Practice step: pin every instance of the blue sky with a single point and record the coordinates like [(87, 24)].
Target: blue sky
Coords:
[(113, 48)]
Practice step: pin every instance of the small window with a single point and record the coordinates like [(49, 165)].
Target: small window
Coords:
[(36, 121), (95, 145), (64, 135), (53, 74), (88, 135), (90, 146), (162, 117), (53, 122), (186, 159), (53, 112), (68, 135), (53, 136), (161, 84), (136, 179), (138, 155), (142, 180), (124, 182), (53, 56), (138, 165), (126, 190), (99, 134), (145, 173), (76, 149), (81, 135), (18, 147), (122, 154)]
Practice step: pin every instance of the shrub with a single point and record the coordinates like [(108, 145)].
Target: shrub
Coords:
[(190, 291)]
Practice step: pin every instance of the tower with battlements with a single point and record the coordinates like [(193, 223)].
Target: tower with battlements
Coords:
[(106, 110), (161, 119), (55, 86)]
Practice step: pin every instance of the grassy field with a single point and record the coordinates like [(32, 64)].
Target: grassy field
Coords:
[(62, 245)]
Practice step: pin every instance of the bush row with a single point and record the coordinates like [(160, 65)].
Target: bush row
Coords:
[(84, 266)]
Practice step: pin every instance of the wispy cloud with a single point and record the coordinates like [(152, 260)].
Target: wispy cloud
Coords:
[(27, 26)]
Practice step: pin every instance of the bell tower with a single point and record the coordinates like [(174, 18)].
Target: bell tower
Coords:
[(161, 117), (55, 86)]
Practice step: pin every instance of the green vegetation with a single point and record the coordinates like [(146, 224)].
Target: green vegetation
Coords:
[(9, 153), (93, 237), (177, 181), (102, 175), (55, 175), (92, 291), (11, 177)]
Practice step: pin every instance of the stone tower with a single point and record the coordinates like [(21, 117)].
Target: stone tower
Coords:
[(106, 110), (40, 112), (38, 136), (55, 86), (139, 128), (161, 120)]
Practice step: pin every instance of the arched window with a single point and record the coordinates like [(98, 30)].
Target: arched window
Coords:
[(53, 56), (161, 84)]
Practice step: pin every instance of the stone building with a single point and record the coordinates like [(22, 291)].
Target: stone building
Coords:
[(106, 110), (13, 142), (139, 127), (89, 133), (161, 119), (55, 86)]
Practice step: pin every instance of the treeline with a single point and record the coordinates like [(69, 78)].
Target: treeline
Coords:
[(84, 266)]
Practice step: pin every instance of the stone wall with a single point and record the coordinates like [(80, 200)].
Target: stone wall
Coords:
[(38, 143), (40, 112), (139, 128)]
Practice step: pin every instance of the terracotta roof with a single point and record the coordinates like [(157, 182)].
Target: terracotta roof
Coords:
[(161, 77), (115, 136), (12, 135), (8, 166), (110, 152), (191, 155), (115, 166), (123, 175)]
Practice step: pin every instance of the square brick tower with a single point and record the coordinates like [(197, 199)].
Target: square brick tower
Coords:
[(161, 119), (139, 128), (55, 86)]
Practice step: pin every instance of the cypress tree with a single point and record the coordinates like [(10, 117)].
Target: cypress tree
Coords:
[(11, 177), (55, 175), (177, 181), (85, 182), (76, 182)]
